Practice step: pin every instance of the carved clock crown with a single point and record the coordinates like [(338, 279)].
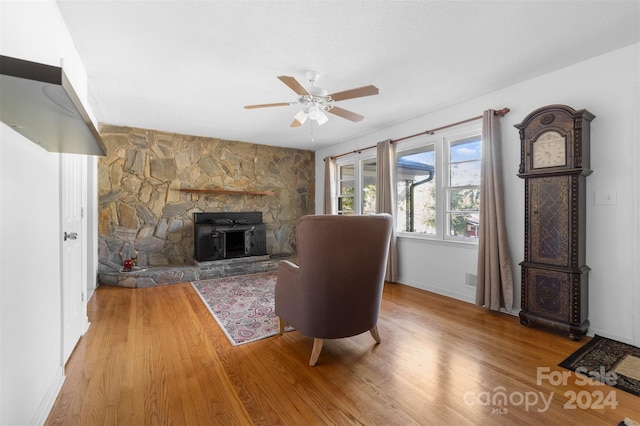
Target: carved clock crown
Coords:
[(561, 122)]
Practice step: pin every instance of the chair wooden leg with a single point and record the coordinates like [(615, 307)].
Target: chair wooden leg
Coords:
[(315, 353), (375, 334), (280, 326)]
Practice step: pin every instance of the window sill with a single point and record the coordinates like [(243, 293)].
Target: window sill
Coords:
[(470, 245)]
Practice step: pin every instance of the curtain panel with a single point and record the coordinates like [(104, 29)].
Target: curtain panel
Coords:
[(329, 184), (495, 276), (385, 199)]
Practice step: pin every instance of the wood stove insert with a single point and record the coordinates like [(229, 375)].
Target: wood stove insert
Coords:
[(228, 235)]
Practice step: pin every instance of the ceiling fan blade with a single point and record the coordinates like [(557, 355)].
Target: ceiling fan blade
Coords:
[(341, 112), (355, 93), (296, 123), (293, 84), (268, 105)]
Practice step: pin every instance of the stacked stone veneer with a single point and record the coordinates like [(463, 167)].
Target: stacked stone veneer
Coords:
[(141, 206)]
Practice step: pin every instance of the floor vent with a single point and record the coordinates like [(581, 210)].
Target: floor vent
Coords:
[(471, 280)]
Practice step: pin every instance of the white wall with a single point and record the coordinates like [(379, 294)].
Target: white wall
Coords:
[(29, 277), (31, 370), (608, 87)]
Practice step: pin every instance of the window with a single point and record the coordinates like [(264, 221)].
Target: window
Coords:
[(438, 186), (416, 195), (368, 173), (346, 189), (356, 185), (463, 192)]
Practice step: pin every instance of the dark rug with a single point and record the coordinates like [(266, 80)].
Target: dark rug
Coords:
[(600, 357)]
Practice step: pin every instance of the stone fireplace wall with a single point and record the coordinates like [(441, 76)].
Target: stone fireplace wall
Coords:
[(141, 206)]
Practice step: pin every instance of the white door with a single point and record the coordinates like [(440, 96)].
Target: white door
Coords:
[(74, 317)]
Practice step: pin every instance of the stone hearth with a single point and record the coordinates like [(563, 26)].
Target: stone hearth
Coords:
[(163, 275)]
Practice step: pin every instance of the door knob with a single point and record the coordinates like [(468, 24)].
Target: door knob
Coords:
[(70, 236)]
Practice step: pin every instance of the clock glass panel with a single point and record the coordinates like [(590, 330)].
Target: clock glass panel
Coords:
[(549, 150)]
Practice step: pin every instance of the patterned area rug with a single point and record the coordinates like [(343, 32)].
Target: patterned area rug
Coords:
[(605, 356), (242, 305)]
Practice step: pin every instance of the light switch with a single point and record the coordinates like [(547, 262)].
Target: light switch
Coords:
[(605, 197)]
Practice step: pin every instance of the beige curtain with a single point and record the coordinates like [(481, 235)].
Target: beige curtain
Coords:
[(329, 184), (495, 277), (385, 199)]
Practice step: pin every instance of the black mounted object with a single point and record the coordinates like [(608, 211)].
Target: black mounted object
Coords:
[(228, 235), (39, 102)]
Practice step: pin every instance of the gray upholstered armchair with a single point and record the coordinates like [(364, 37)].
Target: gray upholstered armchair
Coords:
[(337, 289)]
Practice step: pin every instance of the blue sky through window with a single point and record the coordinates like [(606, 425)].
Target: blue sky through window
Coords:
[(466, 150)]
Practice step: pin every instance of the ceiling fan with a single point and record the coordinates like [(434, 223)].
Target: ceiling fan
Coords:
[(315, 101)]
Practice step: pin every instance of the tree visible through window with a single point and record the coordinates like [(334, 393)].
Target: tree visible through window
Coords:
[(464, 187), (416, 195), (438, 187), (357, 185), (368, 173), (346, 189)]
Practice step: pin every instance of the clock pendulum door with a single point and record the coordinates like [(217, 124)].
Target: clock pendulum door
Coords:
[(555, 286)]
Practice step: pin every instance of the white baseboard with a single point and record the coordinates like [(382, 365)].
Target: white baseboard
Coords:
[(455, 295), (440, 291), (41, 414), (593, 331)]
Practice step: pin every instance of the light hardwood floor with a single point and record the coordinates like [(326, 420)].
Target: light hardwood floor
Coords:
[(156, 356)]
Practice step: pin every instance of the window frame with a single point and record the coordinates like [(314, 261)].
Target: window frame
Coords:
[(338, 188), (357, 161), (448, 188), (442, 144), (362, 158)]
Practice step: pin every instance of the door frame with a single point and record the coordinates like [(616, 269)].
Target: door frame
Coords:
[(83, 325)]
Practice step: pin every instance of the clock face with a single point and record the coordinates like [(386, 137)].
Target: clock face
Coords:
[(549, 150)]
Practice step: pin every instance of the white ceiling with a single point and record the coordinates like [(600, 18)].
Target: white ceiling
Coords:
[(190, 66)]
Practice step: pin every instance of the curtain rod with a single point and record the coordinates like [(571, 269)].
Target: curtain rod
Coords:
[(498, 113)]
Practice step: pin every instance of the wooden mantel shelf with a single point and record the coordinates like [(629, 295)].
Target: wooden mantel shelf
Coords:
[(225, 191)]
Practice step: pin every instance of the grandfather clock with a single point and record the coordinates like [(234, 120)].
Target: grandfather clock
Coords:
[(554, 163)]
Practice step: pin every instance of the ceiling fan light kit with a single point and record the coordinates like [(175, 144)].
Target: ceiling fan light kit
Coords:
[(315, 101), (316, 114), (299, 119)]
